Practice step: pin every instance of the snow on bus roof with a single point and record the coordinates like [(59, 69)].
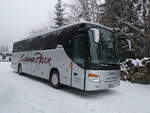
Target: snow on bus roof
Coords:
[(77, 23)]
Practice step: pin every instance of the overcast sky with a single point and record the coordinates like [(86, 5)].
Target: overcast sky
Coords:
[(19, 17)]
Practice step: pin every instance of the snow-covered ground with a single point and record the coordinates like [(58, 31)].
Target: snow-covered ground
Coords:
[(21, 94)]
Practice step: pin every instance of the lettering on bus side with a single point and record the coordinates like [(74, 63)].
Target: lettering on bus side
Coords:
[(39, 58)]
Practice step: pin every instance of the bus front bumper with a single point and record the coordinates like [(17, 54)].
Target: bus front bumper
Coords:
[(100, 80)]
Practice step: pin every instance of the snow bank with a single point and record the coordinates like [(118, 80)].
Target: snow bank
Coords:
[(5, 57), (136, 70)]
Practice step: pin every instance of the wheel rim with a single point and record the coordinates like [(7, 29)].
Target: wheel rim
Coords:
[(55, 79)]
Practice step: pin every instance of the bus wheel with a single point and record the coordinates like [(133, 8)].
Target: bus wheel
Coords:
[(55, 80), (20, 69)]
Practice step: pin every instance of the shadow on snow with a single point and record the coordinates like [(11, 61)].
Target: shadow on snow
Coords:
[(74, 91)]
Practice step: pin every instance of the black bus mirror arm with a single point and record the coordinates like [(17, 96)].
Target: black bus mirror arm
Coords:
[(128, 38)]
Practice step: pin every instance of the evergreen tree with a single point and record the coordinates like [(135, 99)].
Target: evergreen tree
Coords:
[(127, 16), (86, 10), (59, 20), (146, 18)]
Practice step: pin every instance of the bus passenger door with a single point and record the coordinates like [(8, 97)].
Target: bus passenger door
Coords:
[(78, 72), (77, 76)]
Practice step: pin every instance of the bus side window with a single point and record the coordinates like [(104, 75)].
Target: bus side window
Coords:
[(51, 41), (37, 43)]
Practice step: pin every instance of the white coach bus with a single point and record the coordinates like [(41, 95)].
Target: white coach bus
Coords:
[(82, 55)]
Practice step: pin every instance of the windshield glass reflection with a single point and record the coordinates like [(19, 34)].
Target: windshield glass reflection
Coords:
[(102, 49)]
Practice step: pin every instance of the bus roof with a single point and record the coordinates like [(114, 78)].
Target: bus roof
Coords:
[(67, 26)]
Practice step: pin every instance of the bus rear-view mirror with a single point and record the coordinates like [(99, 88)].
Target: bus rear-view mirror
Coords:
[(128, 42), (96, 34)]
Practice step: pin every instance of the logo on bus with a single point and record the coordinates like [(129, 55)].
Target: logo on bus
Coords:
[(39, 59)]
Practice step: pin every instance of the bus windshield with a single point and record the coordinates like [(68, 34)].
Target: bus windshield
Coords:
[(102, 47)]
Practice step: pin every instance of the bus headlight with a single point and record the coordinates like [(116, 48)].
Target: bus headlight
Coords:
[(94, 77)]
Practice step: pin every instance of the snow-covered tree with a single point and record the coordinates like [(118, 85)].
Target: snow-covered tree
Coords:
[(146, 19), (129, 17), (86, 10), (56, 22), (59, 12)]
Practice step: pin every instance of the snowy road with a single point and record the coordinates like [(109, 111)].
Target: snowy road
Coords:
[(20, 94)]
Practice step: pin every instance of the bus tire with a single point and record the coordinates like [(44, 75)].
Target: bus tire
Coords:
[(19, 69), (55, 79)]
